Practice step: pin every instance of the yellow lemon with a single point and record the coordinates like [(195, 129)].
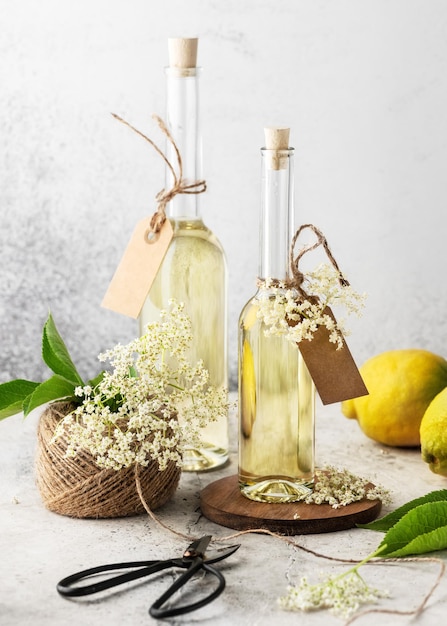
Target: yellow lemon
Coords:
[(401, 385), (434, 434)]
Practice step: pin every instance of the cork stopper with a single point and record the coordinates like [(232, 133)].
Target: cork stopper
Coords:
[(277, 137), (183, 53), (277, 140)]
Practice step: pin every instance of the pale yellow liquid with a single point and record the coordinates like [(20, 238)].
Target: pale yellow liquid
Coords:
[(194, 272), (276, 415)]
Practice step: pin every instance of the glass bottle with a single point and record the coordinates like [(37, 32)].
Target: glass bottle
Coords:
[(194, 270), (276, 392)]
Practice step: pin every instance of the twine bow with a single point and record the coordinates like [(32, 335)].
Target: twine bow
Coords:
[(179, 185)]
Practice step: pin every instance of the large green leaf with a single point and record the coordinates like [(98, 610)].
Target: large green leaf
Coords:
[(56, 355), (55, 388), (385, 523), (13, 394), (423, 529)]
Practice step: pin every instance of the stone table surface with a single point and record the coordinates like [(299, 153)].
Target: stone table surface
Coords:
[(39, 547)]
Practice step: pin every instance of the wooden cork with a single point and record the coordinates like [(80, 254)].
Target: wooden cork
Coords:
[(277, 140), (183, 53)]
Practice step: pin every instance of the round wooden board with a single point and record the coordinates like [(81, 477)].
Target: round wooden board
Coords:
[(223, 503)]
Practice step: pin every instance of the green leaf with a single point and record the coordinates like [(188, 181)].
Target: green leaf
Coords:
[(422, 529), (95, 381), (56, 355), (55, 388), (385, 523), (12, 395)]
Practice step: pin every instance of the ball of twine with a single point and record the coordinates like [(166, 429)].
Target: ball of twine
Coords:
[(77, 487)]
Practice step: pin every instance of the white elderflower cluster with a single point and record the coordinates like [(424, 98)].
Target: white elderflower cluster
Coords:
[(283, 312), (339, 487), (342, 595), (151, 404)]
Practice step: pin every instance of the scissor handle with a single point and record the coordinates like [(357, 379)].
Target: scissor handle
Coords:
[(145, 568), (196, 564)]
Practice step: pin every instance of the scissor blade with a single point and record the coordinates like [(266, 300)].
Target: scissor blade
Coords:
[(197, 548), (222, 553)]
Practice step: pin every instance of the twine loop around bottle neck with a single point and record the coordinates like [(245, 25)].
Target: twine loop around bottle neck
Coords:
[(295, 281)]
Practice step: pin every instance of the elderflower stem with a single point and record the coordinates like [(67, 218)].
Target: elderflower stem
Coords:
[(368, 558), (176, 386), (355, 568)]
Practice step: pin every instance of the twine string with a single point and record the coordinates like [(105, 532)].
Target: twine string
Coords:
[(179, 186), (150, 512), (297, 276)]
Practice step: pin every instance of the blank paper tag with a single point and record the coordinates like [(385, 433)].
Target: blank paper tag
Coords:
[(137, 270), (333, 371)]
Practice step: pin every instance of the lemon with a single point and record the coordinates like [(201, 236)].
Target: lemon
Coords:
[(434, 434), (401, 385)]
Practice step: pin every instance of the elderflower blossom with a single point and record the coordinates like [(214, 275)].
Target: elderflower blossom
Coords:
[(151, 405), (342, 594), (285, 313), (339, 487)]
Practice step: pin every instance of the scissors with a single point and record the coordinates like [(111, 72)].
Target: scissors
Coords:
[(192, 561)]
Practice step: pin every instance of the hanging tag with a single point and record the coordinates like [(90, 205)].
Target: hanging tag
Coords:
[(137, 269), (333, 371)]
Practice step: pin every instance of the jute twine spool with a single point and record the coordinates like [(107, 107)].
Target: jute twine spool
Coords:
[(77, 487)]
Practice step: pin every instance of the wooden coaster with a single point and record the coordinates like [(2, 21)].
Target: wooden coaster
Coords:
[(223, 503)]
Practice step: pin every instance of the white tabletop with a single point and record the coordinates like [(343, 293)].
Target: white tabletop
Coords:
[(39, 547)]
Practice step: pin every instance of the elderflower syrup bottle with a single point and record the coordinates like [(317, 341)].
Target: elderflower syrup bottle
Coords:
[(194, 270), (276, 392)]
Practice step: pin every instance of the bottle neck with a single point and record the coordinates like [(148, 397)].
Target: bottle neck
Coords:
[(277, 213), (183, 120)]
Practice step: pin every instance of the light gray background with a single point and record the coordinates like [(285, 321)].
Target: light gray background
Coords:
[(363, 85)]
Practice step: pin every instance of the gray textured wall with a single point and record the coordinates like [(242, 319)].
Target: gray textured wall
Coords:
[(363, 85)]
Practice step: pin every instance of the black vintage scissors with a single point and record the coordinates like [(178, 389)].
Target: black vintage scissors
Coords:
[(192, 561)]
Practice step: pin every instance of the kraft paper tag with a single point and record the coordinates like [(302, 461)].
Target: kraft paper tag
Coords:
[(137, 269), (333, 371)]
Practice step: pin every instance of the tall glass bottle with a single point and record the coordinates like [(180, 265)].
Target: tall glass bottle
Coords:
[(276, 392), (194, 270)]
